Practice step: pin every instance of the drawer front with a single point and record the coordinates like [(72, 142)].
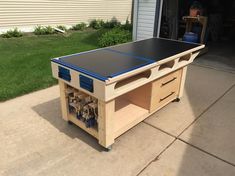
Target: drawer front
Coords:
[(165, 89), (168, 81)]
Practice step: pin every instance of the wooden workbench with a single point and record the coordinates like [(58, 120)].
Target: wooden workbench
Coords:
[(129, 82)]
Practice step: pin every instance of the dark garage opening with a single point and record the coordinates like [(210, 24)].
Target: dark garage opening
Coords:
[(219, 34)]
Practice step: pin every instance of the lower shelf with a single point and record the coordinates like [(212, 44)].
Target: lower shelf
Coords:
[(91, 131), (127, 115)]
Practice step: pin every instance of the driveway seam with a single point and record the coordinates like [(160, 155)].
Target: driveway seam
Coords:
[(198, 148), (218, 99), (199, 116), (156, 158), (160, 129), (177, 137)]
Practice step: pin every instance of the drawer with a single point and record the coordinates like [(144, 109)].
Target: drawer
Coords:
[(165, 89), (168, 81)]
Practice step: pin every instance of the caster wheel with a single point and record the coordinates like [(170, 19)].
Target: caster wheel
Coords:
[(70, 123), (176, 100), (108, 149)]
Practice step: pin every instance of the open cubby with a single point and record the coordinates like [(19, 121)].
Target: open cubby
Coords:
[(132, 80), (130, 108), (167, 65), (185, 58)]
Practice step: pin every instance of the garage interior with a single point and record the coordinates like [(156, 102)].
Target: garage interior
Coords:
[(219, 35)]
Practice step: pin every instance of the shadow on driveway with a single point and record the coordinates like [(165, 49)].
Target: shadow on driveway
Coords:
[(51, 112)]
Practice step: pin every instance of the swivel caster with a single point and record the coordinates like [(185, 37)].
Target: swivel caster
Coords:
[(176, 100), (108, 149), (69, 122)]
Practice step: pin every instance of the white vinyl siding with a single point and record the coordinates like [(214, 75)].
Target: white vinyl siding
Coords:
[(144, 19), (29, 13)]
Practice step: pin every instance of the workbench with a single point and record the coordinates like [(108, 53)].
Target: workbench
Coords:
[(107, 91)]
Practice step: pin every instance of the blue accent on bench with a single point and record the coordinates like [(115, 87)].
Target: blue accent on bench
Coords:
[(86, 83), (64, 74), (94, 75)]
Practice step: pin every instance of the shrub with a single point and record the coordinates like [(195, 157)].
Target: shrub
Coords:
[(127, 26), (114, 36), (111, 24), (96, 24), (39, 30), (61, 27), (49, 30), (80, 27), (12, 33)]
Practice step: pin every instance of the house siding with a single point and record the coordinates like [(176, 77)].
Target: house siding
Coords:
[(29, 13), (144, 19)]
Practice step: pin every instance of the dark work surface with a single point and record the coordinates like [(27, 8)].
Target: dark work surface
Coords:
[(110, 62), (104, 63), (154, 48)]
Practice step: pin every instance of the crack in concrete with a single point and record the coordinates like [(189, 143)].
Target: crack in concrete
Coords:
[(177, 137)]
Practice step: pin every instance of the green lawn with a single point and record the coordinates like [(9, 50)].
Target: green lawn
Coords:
[(25, 62)]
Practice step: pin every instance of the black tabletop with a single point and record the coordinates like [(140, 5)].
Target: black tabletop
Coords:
[(104, 63), (110, 62), (155, 48)]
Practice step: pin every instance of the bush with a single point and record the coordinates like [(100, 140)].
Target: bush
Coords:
[(79, 27), (12, 33), (61, 27), (96, 24), (114, 36), (111, 24), (127, 26), (39, 30)]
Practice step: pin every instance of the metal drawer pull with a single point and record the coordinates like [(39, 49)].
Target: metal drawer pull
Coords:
[(166, 96), (163, 84)]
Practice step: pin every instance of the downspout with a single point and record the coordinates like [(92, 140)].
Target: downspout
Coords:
[(135, 19), (158, 17)]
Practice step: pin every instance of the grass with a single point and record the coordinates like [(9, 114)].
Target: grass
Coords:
[(25, 62)]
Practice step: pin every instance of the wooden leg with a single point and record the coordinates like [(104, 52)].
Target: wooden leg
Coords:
[(63, 100), (106, 123), (182, 83)]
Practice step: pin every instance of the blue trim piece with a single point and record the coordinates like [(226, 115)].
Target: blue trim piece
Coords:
[(94, 75), (86, 83), (64, 74), (130, 54)]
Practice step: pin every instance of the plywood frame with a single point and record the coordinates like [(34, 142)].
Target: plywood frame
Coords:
[(124, 112), (110, 125)]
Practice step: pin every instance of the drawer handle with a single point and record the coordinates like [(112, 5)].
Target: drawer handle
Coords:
[(163, 84), (166, 96)]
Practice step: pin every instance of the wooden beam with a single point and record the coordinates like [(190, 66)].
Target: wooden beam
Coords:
[(106, 123), (63, 100)]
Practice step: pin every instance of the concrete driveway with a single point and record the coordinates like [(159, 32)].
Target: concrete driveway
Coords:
[(194, 137)]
